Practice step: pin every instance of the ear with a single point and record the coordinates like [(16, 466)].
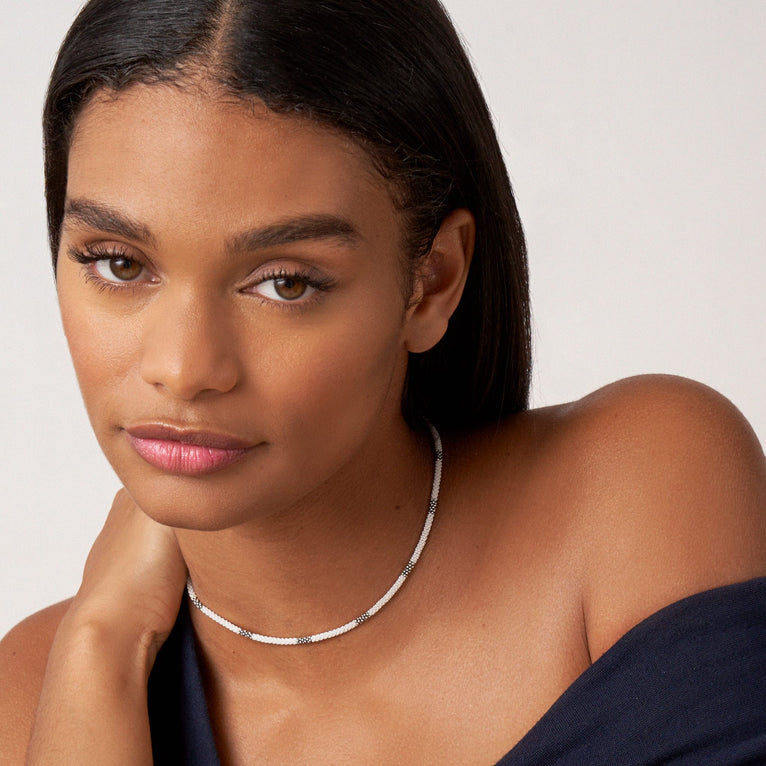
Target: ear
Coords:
[(439, 281)]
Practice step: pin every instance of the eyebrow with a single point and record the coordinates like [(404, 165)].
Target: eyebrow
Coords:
[(307, 227), (318, 226), (106, 219)]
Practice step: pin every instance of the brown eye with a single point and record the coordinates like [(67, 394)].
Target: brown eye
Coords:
[(119, 269), (125, 269), (286, 288), (290, 289)]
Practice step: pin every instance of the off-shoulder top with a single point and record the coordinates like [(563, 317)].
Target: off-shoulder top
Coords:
[(687, 687)]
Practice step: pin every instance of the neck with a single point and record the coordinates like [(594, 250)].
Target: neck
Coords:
[(323, 561)]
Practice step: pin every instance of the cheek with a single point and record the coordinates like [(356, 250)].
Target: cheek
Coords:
[(333, 372), (325, 395), (102, 348)]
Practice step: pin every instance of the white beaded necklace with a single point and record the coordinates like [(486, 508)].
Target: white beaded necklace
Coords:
[(376, 607)]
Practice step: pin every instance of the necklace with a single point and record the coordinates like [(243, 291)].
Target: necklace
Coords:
[(376, 607)]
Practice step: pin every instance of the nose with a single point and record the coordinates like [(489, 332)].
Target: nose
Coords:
[(188, 347)]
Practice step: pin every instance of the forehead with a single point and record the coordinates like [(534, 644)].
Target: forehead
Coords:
[(194, 154)]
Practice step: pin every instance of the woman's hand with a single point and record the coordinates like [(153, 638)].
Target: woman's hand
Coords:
[(93, 706), (134, 576)]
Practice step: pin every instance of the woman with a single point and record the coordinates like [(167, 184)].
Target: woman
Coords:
[(285, 243)]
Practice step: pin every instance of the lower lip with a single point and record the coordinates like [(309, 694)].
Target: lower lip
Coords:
[(185, 459)]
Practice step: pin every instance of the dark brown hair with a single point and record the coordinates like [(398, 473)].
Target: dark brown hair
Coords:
[(393, 75)]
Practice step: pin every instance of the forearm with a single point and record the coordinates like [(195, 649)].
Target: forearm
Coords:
[(93, 706)]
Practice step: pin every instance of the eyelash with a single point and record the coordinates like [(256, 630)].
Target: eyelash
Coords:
[(316, 283), (92, 254)]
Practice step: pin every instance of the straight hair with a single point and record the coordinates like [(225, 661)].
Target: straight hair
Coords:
[(391, 74)]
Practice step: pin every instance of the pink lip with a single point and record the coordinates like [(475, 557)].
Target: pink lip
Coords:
[(190, 453)]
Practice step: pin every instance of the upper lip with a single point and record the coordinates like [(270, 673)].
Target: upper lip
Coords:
[(185, 435)]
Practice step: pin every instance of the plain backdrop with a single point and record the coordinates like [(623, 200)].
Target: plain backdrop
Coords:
[(634, 135)]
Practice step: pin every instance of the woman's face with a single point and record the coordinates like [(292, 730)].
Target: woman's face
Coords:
[(230, 284)]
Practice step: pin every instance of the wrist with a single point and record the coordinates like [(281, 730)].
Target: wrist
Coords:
[(115, 643), (93, 704)]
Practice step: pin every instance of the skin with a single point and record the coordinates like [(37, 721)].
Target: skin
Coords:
[(557, 531)]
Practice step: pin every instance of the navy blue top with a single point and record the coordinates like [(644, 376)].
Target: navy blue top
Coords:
[(687, 687)]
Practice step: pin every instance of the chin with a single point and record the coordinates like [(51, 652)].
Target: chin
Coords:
[(194, 504), (195, 515)]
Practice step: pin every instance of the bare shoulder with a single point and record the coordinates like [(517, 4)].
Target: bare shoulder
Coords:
[(23, 657), (670, 498), (648, 490)]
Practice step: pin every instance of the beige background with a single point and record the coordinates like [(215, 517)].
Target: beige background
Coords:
[(634, 133)]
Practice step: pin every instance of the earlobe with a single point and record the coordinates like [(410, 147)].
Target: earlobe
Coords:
[(440, 280)]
